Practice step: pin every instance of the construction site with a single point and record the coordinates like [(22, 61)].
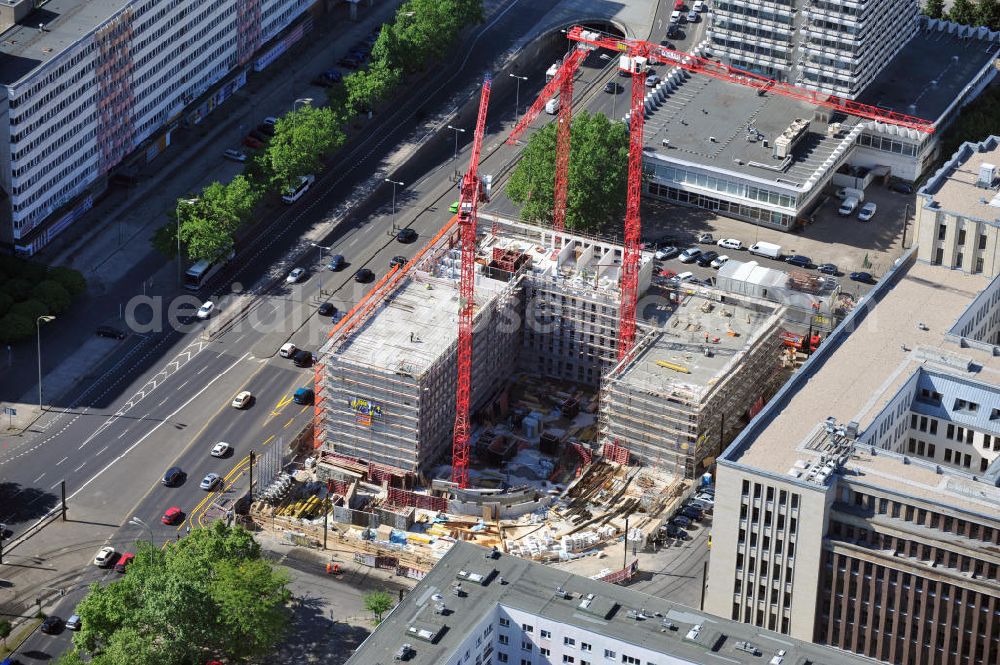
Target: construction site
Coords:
[(534, 389)]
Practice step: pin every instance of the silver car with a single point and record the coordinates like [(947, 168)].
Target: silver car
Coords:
[(209, 482)]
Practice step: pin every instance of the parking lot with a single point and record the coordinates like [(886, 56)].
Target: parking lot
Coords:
[(848, 243)]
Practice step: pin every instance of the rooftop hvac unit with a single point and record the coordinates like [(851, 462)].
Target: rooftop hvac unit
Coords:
[(987, 172)]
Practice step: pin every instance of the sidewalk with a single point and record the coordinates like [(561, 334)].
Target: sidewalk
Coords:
[(111, 245)]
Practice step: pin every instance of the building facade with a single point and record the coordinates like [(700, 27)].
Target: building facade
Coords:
[(834, 47), (958, 219), (98, 80), (478, 607), (861, 508)]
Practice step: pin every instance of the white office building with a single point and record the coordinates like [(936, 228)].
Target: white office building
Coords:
[(84, 83)]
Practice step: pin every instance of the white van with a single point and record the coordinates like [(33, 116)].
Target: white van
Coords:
[(675, 17), (552, 106), (294, 195), (699, 6)]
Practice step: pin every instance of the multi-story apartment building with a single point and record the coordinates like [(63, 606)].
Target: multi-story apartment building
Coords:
[(958, 221), (83, 83), (861, 508), (478, 607), (832, 46)]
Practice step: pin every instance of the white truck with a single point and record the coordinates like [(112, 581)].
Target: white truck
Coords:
[(768, 249), (850, 199)]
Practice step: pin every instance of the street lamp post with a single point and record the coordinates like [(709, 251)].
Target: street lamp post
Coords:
[(38, 328), (394, 184), (135, 521), (517, 92), (457, 130)]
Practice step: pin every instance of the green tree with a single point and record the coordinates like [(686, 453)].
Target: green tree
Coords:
[(5, 629), (934, 8), (988, 14), (976, 121), (17, 288), (30, 309), (301, 139), (15, 327), (598, 170), (208, 224), (165, 240), (72, 280), (71, 657), (964, 12), (378, 603), (208, 596), (53, 295)]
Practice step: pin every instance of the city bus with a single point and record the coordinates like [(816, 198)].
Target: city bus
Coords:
[(202, 271)]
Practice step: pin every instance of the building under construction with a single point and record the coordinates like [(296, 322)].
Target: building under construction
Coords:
[(546, 304)]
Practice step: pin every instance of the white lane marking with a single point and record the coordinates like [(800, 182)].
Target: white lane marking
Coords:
[(183, 384), (38, 478), (122, 435), (101, 451), (201, 370), (80, 467), (158, 426), (61, 461)]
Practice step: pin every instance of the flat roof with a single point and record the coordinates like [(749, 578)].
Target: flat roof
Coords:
[(864, 372), (699, 322), (954, 189), (929, 73), (616, 612), (23, 47), (703, 108)]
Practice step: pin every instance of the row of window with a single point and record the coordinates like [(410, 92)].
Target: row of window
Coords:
[(886, 144), (719, 184), (756, 48), (742, 210)]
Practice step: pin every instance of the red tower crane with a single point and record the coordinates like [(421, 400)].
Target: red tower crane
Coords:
[(563, 83), (468, 211)]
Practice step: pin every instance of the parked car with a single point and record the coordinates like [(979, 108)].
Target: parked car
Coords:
[(611, 87), (221, 449), (105, 556), (675, 532), (259, 136), (210, 480), (286, 350), (173, 476), (296, 276), (234, 155), (827, 269), (349, 62), (406, 235), (665, 253), (364, 276), (251, 142), (705, 258), (171, 515), (303, 396), (867, 211), (700, 505), (74, 622), (266, 129), (337, 262), (397, 261), (327, 309), (706, 238), (693, 16), (110, 331), (652, 80), (243, 399), (680, 521), (124, 562), (684, 277), (692, 513), (865, 277), (901, 187), (730, 243), (689, 255), (302, 358), (705, 497), (719, 261), (52, 625), (206, 309), (322, 82), (798, 260)]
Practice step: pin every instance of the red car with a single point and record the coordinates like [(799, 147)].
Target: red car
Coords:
[(679, 6), (251, 142), (172, 515), (123, 562)]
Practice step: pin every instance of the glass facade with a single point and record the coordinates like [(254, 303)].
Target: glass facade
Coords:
[(682, 176), (742, 210), (886, 144)]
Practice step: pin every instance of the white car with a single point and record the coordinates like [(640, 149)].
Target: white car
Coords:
[(652, 80), (287, 350), (684, 277), (206, 310), (665, 253), (104, 557), (234, 155), (730, 243), (297, 275), (689, 255), (867, 211), (719, 261), (221, 449), (243, 400)]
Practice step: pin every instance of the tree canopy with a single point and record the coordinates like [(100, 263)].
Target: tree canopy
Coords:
[(209, 595), (301, 139), (598, 170)]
